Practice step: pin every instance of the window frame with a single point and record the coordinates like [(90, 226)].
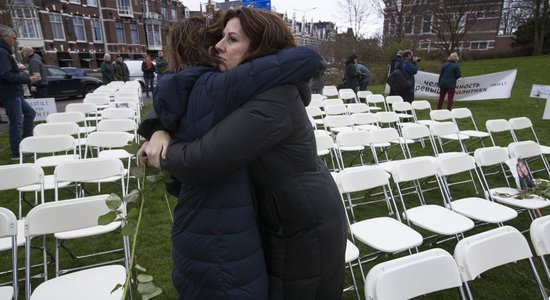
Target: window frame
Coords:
[(25, 18), (134, 40), (95, 30), (76, 26), (57, 23), (119, 32)]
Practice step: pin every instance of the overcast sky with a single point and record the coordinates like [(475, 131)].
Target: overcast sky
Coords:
[(319, 10)]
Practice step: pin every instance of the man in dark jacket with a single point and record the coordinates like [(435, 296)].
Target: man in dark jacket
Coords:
[(121, 70), (162, 65), (36, 66), (20, 113), (317, 82), (351, 77), (409, 68), (107, 69), (394, 64)]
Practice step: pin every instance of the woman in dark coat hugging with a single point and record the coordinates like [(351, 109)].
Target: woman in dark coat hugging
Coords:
[(300, 212), (450, 73)]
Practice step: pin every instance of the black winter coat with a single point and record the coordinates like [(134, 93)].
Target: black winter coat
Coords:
[(10, 79), (299, 207), (450, 72), (217, 250)]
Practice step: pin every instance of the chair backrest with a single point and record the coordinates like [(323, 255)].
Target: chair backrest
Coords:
[(355, 108), (15, 176), (330, 91), (401, 106), (47, 144), (375, 98), (8, 223), (363, 94), (72, 116), (116, 125), (449, 165), (316, 103), (314, 111), (333, 102), (461, 113), (522, 123), (387, 117), (444, 128), (383, 135), (67, 128), (498, 125), (336, 109), (118, 113), (490, 156), (97, 100), (540, 235), (353, 138), (441, 115), (524, 149), (347, 94), (364, 118), (413, 275), (317, 97), (393, 99), (323, 140), (108, 139), (415, 131), (362, 178), (338, 121), (486, 250), (413, 169), (81, 107), (86, 170), (421, 105)]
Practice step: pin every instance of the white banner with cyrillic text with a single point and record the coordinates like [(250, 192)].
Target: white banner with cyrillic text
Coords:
[(484, 87)]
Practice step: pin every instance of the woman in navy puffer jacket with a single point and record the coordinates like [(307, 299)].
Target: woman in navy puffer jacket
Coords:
[(216, 245)]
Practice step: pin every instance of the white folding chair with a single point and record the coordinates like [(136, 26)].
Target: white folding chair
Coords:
[(491, 157), (412, 276), (326, 146), (390, 100), (354, 108), (466, 115), (91, 170), (61, 128), (330, 91), (448, 131), (434, 218), (529, 150), (118, 113), (336, 109), (384, 139), (374, 100), (338, 123), (347, 95), (419, 106), (73, 116), (417, 132), (363, 95), (118, 125), (521, 123), (89, 109), (101, 101), (365, 121), (476, 208), (441, 115), (403, 110), (352, 254), (333, 102), (316, 113), (388, 119), (487, 250), (540, 237), (8, 235), (65, 216), (499, 126), (352, 141)]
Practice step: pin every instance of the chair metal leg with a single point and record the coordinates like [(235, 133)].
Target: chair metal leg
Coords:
[(537, 278)]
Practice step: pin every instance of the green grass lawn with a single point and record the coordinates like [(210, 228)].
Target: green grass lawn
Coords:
[(509, 282)]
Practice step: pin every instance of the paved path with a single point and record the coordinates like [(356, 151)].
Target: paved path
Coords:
[(61, 108)]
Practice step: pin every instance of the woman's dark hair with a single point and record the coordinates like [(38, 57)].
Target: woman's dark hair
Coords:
[(191, 42), (407, 53), (268, 32)]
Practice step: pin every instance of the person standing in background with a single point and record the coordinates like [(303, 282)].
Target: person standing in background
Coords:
[(20, 113), (364, 77), (148, 70), (394, 64), (36, 66), (317, 82), (161, 64), (409, 68), (351, 77), (107, 69), (450, 73), (121, 70)]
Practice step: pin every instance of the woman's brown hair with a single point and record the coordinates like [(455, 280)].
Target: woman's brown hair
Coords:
[(267, 31), (191, 41)]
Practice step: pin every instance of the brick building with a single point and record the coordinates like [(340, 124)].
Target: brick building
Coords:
[(79, 32), (467, 25)]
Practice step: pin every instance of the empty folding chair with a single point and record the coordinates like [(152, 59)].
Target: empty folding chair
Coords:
[(388, 119), (362, 96), (333, 102), (476, 208), (441, 115), (365, 121), (118, 113), (466, 114), (417, 107), (101, 101), (540, 237), (8, 235), (384, 234), (352, 254), (339, 123), (499, 126), (403, 110), (434, 218), (89, 109), (61, 128), (59, 148), (317, 97), (412, 276), (417, 132), (352, 141), (316, 114), (390, 100), (66, 216), (119, 125), (521, 123), (374, 100), (347, 95), (354, 108), (487, 250), (317, 102), (73, 116), (330, 91), (80, 172), (336, 109), (491, 157), (384, 139), (326, 146), (448, 131)]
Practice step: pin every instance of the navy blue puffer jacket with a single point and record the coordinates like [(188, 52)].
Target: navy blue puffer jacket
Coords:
[(216, 244)]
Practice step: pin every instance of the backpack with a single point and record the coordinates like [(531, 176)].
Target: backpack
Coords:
[(398, 82)]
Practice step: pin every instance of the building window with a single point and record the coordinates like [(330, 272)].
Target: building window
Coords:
[(97, 33), (26, 23), (119, 28), (423, 45), (134, 36), (409, 24), (124, 7), (478, 45), (163, 9), (145, 6), (153, 35), (57, 26), (79, 30), (174, 14), (75, 2), (91, 2), (427, 23)]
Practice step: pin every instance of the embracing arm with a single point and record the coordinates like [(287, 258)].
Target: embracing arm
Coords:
[(233, 143)]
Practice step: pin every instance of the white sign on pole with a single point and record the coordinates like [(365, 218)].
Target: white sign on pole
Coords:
[(540, 91), (484, 87), (43, 107)]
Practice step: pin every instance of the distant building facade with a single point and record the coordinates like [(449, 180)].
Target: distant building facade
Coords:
[(79, 32), (422, 22)]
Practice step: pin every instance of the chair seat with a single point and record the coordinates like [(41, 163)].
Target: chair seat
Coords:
[(371, 108), (86, 130), (115, 153), (6, 293), (89, 284), (381, 145), (474, 133), (323, 152), (454, 137), (483, 210), (90, 231), (352, 252), (52, 161), (403, 141), (405, 116), (426, 122), (48, 185), (340, 129), (438, 219), (386, 234), (534, 203), (545, 149), (5, 243), (352, 148), (110, 179), (366, 127)]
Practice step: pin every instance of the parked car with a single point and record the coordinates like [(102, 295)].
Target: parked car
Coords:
[(62, 84), (136, 74), (75, 71)]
